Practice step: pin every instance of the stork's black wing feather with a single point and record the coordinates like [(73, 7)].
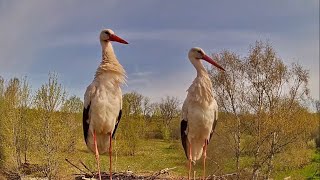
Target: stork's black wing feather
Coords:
[(214, 125), (184, 139), (117, 123), (85, 118)]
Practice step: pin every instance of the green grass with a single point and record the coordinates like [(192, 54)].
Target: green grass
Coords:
[(152, 155), (310, 171)]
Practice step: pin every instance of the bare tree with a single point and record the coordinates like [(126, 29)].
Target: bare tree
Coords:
[(169, 109), (275, 92), (148, 108), (229, 89), (268, 96), (132, 104)]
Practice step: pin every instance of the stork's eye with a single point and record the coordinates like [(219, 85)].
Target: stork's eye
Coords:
[(199, 51), (107, 32)]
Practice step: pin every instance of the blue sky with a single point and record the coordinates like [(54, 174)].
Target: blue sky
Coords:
[(40, 36)]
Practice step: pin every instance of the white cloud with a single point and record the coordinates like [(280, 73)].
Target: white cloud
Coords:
[(25, 26), (29, 26), (184, 35)]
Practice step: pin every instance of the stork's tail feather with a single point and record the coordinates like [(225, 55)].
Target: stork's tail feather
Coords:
[(184, 139), (102, 143), (197, 154)]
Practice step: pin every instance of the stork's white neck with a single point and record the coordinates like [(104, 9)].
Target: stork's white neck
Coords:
[(109, 63), (201, 71), (201, 88), (107, 51)]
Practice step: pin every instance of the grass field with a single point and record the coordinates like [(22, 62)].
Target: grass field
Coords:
[(154, 155), (310, 171), (151, 156)]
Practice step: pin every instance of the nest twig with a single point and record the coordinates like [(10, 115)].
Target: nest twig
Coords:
[(221, 177), (128, 175)]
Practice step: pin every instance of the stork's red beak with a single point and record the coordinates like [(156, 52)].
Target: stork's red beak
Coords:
[(209, 60), (117, 39)]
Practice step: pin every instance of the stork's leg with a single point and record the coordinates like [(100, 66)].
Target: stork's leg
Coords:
[(110, 155), (97, 153), (204, 158), (190, 161)]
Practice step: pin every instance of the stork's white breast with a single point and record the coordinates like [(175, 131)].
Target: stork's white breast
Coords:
[(200, 119), (105, 106)]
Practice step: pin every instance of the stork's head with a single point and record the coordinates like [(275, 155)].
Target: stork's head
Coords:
[(196, 53), (107, 35)]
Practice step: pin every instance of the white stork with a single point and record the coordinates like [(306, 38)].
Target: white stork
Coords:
[(199, 111), (103, 100)]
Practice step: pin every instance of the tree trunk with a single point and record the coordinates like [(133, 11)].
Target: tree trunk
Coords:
[(238, 139), (256, 165), (16, 145), (272, 152)]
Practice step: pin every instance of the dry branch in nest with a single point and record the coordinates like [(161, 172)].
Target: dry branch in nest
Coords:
[(117, 175), (128, 175), (222, 177)]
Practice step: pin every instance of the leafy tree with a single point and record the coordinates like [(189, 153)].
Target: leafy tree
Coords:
[(52, 126), (317, 139), (133, 122), (24, 106), (11, 122), (73, 105), (14, 101), (72, 109), (2, 155)]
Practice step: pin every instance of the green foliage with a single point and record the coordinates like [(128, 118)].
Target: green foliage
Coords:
[(73, 105), (53, 127), (165, 133), (32, 129), (293, 159), (130, 132), (308, 171), (2, 135), (15, 99)]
